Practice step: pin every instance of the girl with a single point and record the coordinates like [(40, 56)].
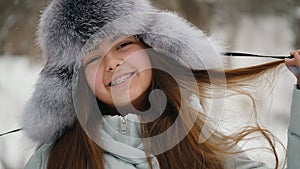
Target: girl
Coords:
[(120, 89)]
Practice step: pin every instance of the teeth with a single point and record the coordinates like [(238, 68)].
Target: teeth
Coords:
[(121, 79)]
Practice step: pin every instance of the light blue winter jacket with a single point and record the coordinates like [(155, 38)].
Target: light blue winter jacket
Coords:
[(124, 152), (293, 159), (121, 141)]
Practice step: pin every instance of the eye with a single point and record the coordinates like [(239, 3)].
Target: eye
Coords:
[(93, 59), (123, 45)]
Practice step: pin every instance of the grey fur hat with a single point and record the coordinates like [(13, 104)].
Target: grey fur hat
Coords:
[(69, 29)]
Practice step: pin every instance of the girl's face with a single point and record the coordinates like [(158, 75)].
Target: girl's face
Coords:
[(118, 73)]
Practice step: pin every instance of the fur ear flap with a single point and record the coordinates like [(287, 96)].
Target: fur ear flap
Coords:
[(50, 109)]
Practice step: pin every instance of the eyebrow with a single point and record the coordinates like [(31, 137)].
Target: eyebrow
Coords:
[(87, 58), (115, 40), (110, 41)]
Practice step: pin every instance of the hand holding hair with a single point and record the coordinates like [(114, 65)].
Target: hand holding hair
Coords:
[(294, 64)]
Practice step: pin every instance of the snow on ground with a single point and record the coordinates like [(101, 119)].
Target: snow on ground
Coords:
[(17, 77)]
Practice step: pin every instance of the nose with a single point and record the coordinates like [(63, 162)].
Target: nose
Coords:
[(112, 61)]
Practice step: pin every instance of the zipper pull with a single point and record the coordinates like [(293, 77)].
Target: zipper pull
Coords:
[(123, 126)]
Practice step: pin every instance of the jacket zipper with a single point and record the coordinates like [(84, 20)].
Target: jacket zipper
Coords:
[(123, 126)]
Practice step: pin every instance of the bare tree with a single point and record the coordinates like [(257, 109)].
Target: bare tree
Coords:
[(18, 22), (296, 24), (198, 12)]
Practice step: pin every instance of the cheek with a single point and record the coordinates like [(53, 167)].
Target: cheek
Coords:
[(141, 83), (93, 77), (90, 78), (140, 60)]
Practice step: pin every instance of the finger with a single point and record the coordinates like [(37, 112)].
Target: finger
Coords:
[(290, 62), (292, 53), (297, 54), (297, 59)]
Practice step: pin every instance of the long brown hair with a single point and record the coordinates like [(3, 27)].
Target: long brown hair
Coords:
[(76, 150)]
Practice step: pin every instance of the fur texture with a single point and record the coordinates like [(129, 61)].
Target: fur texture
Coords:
[(69, 29)]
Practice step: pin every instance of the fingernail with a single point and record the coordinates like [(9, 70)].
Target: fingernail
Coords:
[(287, 59)]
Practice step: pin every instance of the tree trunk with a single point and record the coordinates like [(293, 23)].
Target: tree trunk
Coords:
[(197, 12)]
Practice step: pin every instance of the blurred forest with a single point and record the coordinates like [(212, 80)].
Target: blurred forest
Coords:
[(19, 18)]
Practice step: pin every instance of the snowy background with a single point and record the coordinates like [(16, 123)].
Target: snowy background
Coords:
[(273, 32)]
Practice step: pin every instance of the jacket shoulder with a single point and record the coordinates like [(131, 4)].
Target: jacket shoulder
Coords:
[(293, 147)]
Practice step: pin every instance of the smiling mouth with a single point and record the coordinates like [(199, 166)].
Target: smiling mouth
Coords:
[(121, 79)]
